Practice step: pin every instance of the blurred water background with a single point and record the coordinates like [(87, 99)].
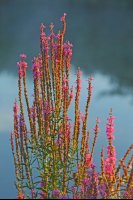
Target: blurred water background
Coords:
[(102, 34)]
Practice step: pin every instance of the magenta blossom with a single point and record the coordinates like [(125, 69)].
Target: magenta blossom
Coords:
[(23, 56), (15, 108), (110, 127), (56, 192), (22, 66), (110, 161), (36, 68)]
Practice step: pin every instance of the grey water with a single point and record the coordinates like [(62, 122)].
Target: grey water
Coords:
[(102, 36)]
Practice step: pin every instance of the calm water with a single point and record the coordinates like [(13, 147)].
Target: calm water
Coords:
[(102, 34)]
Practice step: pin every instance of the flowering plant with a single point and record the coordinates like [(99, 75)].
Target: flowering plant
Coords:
[(52, 156)]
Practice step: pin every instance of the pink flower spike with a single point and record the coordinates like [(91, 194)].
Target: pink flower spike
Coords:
[(110, 161), (15, 108), (88, 160), (96, 129), (22, 66), (72, 92), (110, 127), (36, 68)]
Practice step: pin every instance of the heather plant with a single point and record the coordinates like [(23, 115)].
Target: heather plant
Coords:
[(52, 155)]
